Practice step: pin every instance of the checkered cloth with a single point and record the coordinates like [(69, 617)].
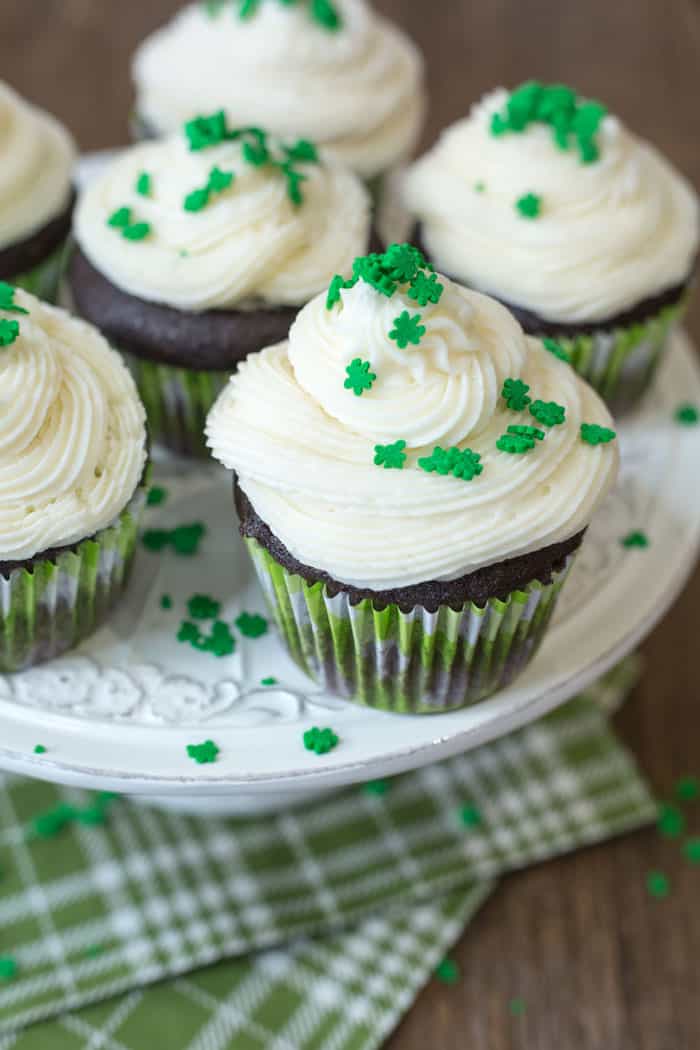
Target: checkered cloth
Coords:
[(366, 890)]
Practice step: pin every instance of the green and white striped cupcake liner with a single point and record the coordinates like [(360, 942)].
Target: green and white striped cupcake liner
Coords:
[(620, 364), (414, 662), (43, 281), (55, 605), (177, 402)]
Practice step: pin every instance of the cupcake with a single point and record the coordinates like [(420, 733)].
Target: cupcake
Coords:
[(196, 250), (36, 195), (72, 461), (414, 476), (331, 71), (543, 200)]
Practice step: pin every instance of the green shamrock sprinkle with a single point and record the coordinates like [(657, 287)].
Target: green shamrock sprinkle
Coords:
[(320, 740), (203, 607), (302, 152), (377, 788), (336, 286), (448, 972), (688, 789), (593, 434), (686, 414), (268, 681), (256, 153), (166, 602), (7, 300), (517, 1007), (359, 377), (294, 180), (557, 106), (137, 232), (120, 219), (391, 457), (425, 288), (548, 413), (557, 349), (203, 754), (527, 432), (220, 180), (8, 968), (637, 538), (219, 643), (401, 263), (156, 496), (323, 12), (515, 394), (9, 332), (461, 463), (205, 132), (691, 850), (407, 329), (670, 822), (515, 444), (144, 184), (197, 200), (252, 625), (529, 206), (657, 884), (470, 816), (39, 749), (326, 14), (184, 539)]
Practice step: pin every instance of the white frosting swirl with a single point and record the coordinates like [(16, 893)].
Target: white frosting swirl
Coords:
[(72, 433), (250, 243), (36, 161), (609, 235), (357, 91), (303, 445)]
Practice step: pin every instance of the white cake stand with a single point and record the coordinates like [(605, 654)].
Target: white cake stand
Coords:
[(119, 713)]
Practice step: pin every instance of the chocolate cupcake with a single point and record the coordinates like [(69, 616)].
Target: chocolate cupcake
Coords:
[(414, 477), (543, 200), (332, 71), (72, 460), (196, 250), (36, 195)]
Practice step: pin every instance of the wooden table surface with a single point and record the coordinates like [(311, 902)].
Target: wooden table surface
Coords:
[(600, 965)]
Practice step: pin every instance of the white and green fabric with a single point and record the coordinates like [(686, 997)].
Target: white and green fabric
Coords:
[(336, 915)]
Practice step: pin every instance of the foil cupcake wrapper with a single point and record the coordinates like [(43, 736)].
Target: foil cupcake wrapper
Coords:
[(414, 662), (177, 402), (54, 606), (621, 363), (43, 281)]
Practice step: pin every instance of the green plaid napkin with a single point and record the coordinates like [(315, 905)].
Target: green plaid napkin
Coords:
[(99, 909)]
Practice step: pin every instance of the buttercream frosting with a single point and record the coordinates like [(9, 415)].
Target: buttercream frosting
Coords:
[(358, 90), (36, 161), (250, 244), (72, 432), (609, 233), (303, 445)]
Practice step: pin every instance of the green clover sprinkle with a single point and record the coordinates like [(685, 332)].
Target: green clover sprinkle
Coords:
[(326, 14), (658, 885), (377, 788), (670, 822), (401, 263), (517, 1007), (268, 681), (323, 12), (557, 106), (219, 180), (336, 286), (39, 749), (302, 152), (252, 625), (391, 457), (294, 180), (205, 132), (197, 200), (144, 184), (203, 607), (637, 538), (461, 463), (447, 972), (220, 642), (407, 329), (515, 394), (425, 288), (120, 219), (137, 232), (529, 206), (686, 414), (359, 377), (321, 741), (156, 496), (557, 349), (248, 8), (166, 602), (8, 968), (592, 434), (204, 753), (188, 633), (184, 539), (515, 444), (687, 789), (470, 816), (256, 153), (9, 332), (691, 850), (7, 300), (527, 432), (548, 413)]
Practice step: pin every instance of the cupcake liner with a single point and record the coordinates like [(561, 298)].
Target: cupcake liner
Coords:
[(43, 281), (414, 662), (177, 402), (620, 364), (59, 602)]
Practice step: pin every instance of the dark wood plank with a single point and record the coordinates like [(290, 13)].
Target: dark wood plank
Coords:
[(598, 963)]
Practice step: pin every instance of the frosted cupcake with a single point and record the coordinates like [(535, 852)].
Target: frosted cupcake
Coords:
[(196, 250), (331, 71), (36, 195), (543, 200), (72, 460), (414, 478)]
